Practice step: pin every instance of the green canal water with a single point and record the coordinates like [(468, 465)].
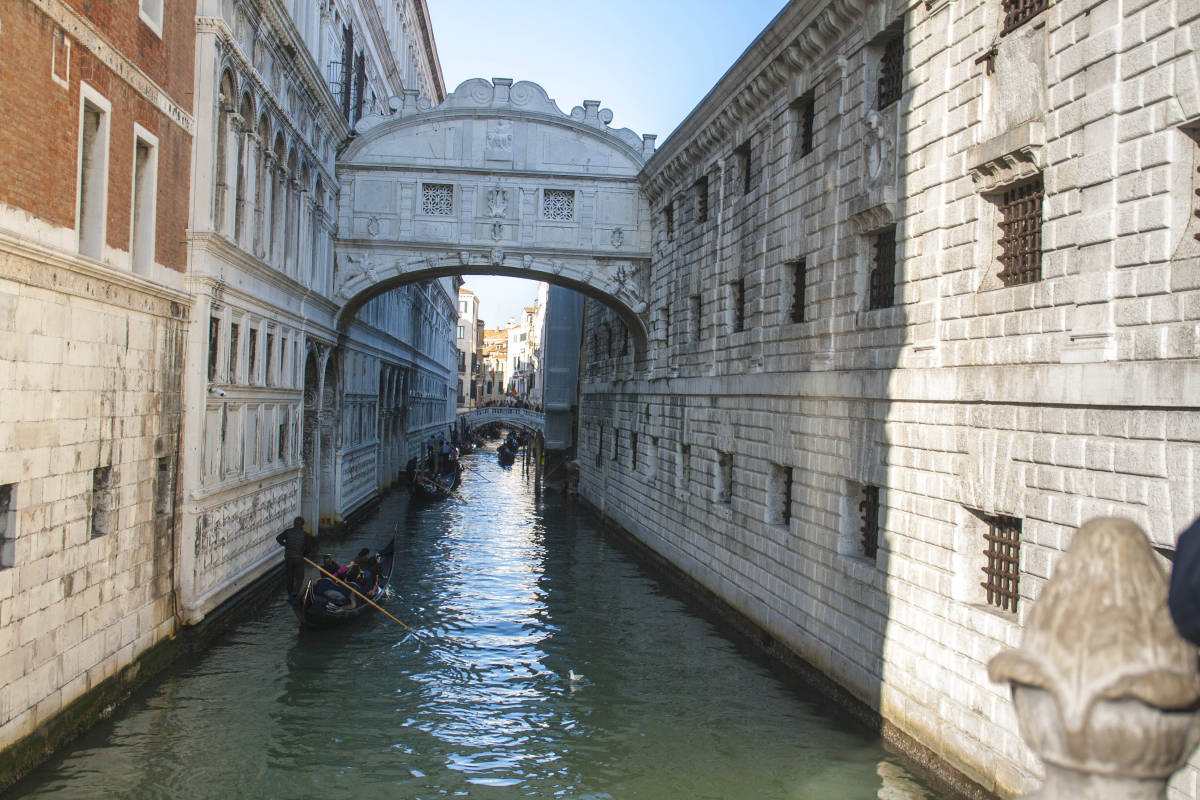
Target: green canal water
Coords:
[(548, 664)]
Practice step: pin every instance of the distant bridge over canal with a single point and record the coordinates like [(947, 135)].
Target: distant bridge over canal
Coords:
[(525, 418)]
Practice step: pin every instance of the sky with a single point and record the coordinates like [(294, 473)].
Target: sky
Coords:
[(650, 62)]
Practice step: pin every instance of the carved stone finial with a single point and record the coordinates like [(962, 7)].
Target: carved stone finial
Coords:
[(1107, 693)]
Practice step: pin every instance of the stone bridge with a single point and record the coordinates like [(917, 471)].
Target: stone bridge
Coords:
[(496, 180), (526, 418)]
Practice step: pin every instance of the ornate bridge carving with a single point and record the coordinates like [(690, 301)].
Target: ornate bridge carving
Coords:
[(521, 417), (496, 180)]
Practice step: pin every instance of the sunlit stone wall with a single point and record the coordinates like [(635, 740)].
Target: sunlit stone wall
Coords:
[(803, 392)]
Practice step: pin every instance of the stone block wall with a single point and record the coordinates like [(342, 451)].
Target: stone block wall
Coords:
[(795, 401), (90, 388)]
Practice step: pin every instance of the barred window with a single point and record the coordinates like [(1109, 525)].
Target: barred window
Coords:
[(883, 270), (8, 525), (805, 109), (1021, 232), (1003, 568), (437, 199), (701, 192), (868, 511), (737, 303), (745, 166), (669, 218), (799, 271), (1018, 12), (558, 204), (891, 74), (725, 477)]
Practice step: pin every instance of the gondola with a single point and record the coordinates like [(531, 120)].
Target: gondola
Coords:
[(430, 489), (506, 455), (315, 612)]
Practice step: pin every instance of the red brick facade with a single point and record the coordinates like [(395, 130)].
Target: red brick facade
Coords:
[(39, 117)]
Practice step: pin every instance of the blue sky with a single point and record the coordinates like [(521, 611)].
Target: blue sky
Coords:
[(650, 62)]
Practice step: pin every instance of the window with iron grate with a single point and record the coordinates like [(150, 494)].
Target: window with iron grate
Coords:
[(799, 274), (669, 219), (737, 304), (804, 110), (694, 304), (558, 205), (891, 72), (725, 478), (744, 156), (8, 524), (1002, 572), (437, 199), (1018, 12), (1020, 208), (633, 450), (700, 191), (883, 270), (868, 512), (779, 495)]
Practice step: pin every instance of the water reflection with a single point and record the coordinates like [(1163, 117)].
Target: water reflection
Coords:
[(546, 664)]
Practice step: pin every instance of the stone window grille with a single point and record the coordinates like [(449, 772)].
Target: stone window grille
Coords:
[(8, 525), (701, 194), (669, 219), (805, 110), (102, 497), (725, 478), (1018, 12), (437, 199), (868, 512), (695, 306), (633, 450), (558, 205), (1002, 571), (799, 270), (214, 346), (891, 71), (883, 270), (737, 303), (1020, 209), (779, 495)]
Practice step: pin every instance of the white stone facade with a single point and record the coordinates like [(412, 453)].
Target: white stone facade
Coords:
[(797, 381)]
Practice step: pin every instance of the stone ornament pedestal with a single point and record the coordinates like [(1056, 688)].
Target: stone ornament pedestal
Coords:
[(1107, 693)]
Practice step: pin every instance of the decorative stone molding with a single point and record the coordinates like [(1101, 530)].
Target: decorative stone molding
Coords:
[(873, 210), (1008, 158), (1106, 691)]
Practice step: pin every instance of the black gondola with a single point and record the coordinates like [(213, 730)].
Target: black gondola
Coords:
[(430, 488), (506, 455), (316, 609)]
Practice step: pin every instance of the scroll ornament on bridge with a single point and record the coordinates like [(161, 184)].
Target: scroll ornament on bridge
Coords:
[(628, 287), (1106, 691)]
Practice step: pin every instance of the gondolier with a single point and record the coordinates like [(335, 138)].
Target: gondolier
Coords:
[(295, 545)]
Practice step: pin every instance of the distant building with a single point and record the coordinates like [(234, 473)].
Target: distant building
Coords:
[(469, 342)]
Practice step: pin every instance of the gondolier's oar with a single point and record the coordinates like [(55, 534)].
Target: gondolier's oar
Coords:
[(360, 594), (480, 474), (446, 489)]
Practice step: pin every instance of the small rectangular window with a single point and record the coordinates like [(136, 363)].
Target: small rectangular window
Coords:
[(725, 478), (142, 209), (700, 192), (600, 447), (284, 434), (164, 488), (868, 511), (669, 219), (633, 450), (804, 112), (251, 354), (102, 497), (695, 307), (1002, 571), (779, 495), (745, 166), (214, 346), (799, 274), (8, 525), (737, 304), (883, 270), (1020, 208), (1018, 12), (269, 361), (616, 444), (93, 178), (891, 71), (558, 205), (234, 331), (437, 199)]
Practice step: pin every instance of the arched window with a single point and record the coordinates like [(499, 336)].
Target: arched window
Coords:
[(262, 188), (224, 111), (246, 115)]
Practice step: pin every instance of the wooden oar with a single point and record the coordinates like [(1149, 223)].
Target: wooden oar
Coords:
[(480, 474), (360, 594), (446, 489)]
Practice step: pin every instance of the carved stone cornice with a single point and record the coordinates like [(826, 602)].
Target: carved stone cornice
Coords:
[(1006, 159), (768, 65)]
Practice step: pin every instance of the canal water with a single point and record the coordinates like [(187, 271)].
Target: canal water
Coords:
[(548, 664)]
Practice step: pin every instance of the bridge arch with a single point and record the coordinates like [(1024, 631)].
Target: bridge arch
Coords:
[(496, 180)]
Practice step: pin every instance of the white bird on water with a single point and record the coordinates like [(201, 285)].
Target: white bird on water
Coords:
[(574, 676)]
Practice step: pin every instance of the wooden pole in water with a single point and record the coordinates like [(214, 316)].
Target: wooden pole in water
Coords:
[(360, 594)]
